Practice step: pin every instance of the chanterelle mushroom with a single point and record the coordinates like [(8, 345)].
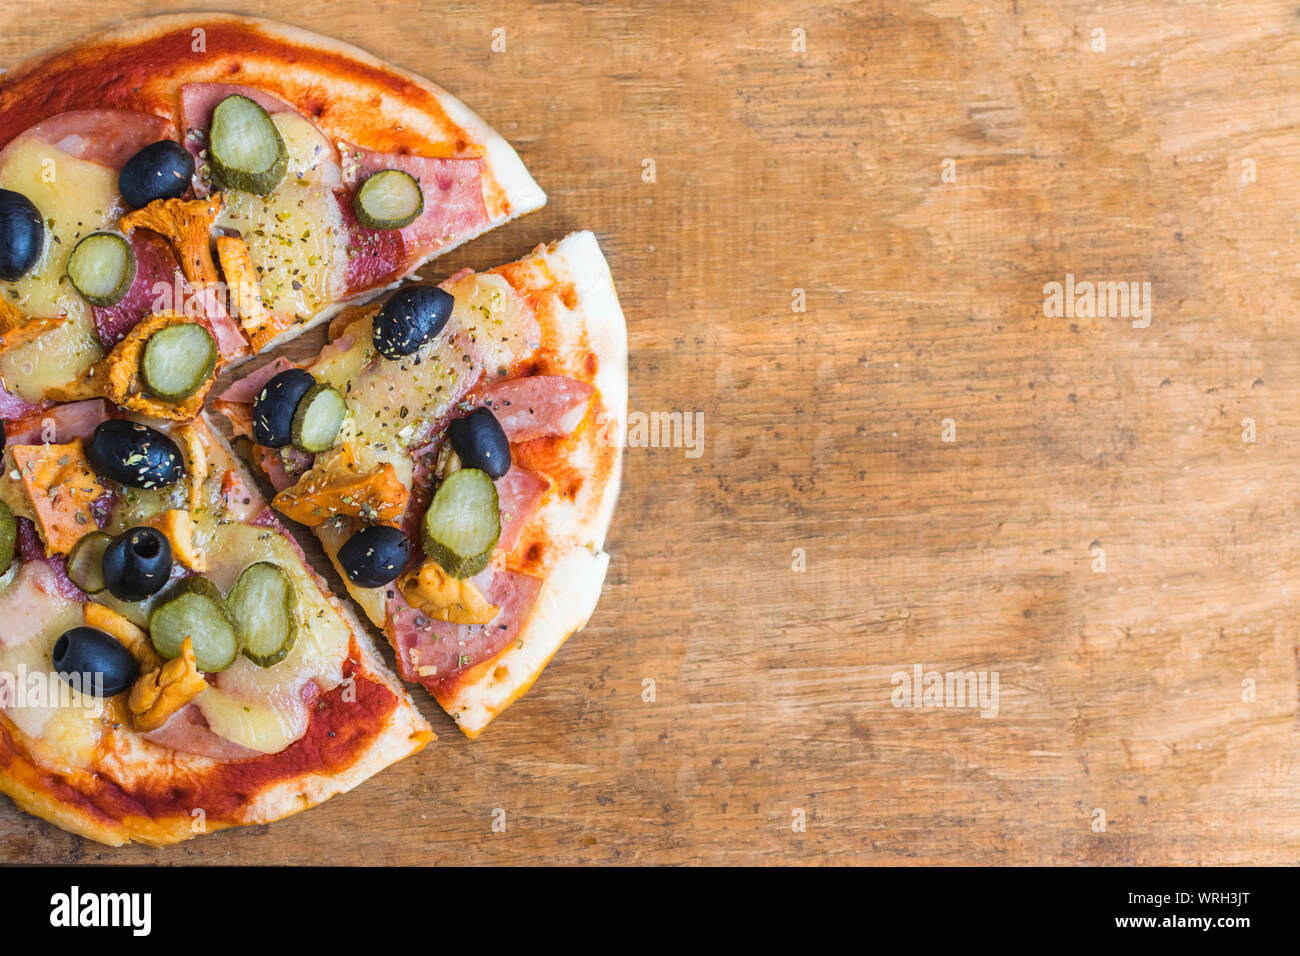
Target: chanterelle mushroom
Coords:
[(259, 323), (17, 329), (117, 376), (187, 225), (160, 693)]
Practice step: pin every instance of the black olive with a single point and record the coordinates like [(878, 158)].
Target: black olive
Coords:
[(274, 407), (90, 660), (134, 454), (374, 556), (480, 442), (22, 234), (161, 170), (3, 438), (410, 319), (137, 564)]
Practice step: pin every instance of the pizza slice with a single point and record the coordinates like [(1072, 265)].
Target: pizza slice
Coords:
[(169, 664), (247, 174), (457, 450)]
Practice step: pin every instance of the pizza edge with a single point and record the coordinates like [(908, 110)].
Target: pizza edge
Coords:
[(573, 584)]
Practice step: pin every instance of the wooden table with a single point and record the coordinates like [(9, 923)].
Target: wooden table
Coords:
[(1097, 532)]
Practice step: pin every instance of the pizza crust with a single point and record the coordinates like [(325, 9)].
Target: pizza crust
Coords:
[(574, 571)]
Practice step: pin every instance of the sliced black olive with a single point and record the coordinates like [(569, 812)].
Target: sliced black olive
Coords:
[(90, 660), (374, 556), (161, 170), (137, 564), (480, 442), (274, 407), (410, 319), (22, 235), (134, 454)]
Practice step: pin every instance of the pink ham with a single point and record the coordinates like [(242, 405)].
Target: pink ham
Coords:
[(537, 406), (244, 391), (519, 491), (158, 287), (375, 256), (105, 137), (453, 211), (206, 303), (12, 407), (284, 466), (188, 731), (157, 273), (452, 648), (30, 550), (58, 425)]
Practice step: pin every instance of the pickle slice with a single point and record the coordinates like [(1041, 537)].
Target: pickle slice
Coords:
[(194, 609), (388, 199), (8, 537), (86, 561), (102, 267), (264, 606), (463, 523), (318, 418), (247, 151), (178, 360)]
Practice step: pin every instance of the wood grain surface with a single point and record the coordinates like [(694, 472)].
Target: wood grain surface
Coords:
[(1098, 533)]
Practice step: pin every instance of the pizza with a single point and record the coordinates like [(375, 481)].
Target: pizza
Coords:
[(178, 196), (471, 479)]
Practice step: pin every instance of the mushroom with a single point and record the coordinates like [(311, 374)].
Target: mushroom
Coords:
[(187, 226), (259, 323), (160, 693)]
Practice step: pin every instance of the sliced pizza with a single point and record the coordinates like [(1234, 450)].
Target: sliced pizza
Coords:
[(251, 176), (457, 450), (169, 664)]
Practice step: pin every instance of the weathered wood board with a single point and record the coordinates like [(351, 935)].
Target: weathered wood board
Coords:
[(1098, 531)]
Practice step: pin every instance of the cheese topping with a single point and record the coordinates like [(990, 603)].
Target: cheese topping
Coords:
[(296, 237), (75, 198)]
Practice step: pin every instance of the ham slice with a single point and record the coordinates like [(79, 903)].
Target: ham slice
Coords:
[(156, 270), (537, 406), (105, 137), (244, 391), (284, 466), (31, 551), (519, 491), (65, 422), (187, 731), (434, 652), (375, 256), (453, 211), (236, 402), (12, 407)]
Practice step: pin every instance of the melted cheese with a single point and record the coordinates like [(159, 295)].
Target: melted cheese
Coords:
[(62, 725), (75, 198), (394, 404), (263, 708), (295, 236)]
